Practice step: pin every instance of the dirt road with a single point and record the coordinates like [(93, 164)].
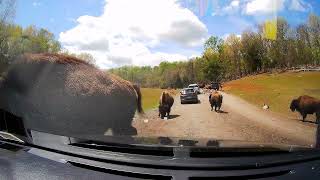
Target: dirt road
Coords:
[(238, 121)]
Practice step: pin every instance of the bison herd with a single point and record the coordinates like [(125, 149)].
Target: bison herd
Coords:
[(64, 95), (166, 101)]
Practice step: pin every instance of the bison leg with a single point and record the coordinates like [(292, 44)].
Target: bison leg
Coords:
[(211, 107), (169, 113), (304, 115), (215, 108), (218, 107)]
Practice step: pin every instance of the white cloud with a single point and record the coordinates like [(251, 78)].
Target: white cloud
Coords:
[(235, 3), (299, 5), (254, 7), (233, 7), (127, 30), (36, 4), (230, 9)]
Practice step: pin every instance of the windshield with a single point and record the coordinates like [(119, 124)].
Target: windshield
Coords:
[(188, 91), (193, 86), (119, 68)]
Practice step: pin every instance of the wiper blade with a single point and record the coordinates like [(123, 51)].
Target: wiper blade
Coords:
[(125, 148), (9, 136)]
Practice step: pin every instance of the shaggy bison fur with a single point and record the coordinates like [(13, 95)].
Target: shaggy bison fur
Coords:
[(306, 105), (64, 95), (165, 104), (215, 100)]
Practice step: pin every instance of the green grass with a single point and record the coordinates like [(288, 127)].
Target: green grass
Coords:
[(276, 90), (150, 97)]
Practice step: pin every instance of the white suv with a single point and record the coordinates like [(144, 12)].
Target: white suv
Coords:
[(195, 88)]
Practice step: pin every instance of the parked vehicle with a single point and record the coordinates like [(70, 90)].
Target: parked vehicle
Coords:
[(188, 95), (195, 87)]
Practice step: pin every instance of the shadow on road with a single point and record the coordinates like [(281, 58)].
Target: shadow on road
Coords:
[(174, 116), (223, 112), (220, 111), (165, 140), (308, 121)]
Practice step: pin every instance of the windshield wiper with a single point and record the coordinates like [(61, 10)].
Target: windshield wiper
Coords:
[(126, 148)]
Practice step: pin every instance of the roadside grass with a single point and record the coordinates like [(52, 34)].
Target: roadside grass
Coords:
[(276, 90), (150, 97)]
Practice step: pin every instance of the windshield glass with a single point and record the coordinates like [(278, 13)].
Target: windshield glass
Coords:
[(188, 91), (115, 68)]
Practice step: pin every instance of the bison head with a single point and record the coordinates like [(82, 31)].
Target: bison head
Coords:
[(294, 105), (163, 109)]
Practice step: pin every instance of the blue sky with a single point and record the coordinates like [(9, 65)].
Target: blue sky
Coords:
[(144, 32)]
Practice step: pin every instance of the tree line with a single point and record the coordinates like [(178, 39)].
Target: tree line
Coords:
[(237, 56)]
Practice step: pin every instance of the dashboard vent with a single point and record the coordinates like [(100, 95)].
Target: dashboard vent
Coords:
[(122, 173)]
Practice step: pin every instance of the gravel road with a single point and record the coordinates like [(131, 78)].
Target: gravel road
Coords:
[(239, 120)]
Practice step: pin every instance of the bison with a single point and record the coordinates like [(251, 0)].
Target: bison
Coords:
[(165, 104), (306, 105), (208, 86), (215, 99), (63, 95)]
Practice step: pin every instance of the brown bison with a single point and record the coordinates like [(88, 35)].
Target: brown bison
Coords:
[(208, 86), (306, 105), (165, 104), (215, 99), (202, 85), (64, 95)]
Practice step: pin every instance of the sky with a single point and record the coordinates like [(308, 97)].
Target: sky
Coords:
[(147, 32)]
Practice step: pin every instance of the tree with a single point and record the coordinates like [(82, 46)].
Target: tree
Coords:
[(304, 47), (252, 51), (314, 30), (87, 57), (7, 12), (232, 55), (214, 43), (213, 70)]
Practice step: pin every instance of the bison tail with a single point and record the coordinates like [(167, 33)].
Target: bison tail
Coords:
[(139, 98)]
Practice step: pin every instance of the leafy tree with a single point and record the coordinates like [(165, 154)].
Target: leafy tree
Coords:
[(252, 51), (7, 12), (232, 55), (214, 43)]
